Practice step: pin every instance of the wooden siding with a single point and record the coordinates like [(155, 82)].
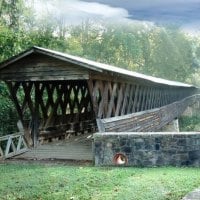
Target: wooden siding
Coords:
[(37, 67), (148, 120)]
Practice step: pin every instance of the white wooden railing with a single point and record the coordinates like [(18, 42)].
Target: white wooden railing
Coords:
[(12, 145)]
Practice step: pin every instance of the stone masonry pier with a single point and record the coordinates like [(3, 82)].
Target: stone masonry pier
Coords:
[(147, 149)]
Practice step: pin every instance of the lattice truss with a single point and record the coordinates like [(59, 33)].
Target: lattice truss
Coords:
[(70, 103), (54, 102), (112, 99)]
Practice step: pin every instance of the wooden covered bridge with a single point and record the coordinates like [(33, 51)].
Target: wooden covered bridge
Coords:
[(57, 96)]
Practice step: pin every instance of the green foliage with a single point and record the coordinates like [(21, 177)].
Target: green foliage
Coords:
[(11, 13), (188, 123), (65, 182), (157, 51), (8, 116)]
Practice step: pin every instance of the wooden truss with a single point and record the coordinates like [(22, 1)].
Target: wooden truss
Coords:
[(53, 105), (59, 108), (111, 99)]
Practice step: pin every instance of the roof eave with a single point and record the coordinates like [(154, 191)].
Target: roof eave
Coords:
[(35, 49), (16, 58)]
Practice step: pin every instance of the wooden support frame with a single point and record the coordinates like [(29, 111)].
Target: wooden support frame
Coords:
[(126, 95), (35, 116), (140, 99), (111, 104), (15, 144), (120, 99), (135, 99), (47, 100), (144, 98), (131, 99)]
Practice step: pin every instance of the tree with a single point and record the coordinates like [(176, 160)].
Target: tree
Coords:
[(11, 13)]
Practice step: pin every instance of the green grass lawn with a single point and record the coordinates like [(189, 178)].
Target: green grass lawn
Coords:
[(45, 181)]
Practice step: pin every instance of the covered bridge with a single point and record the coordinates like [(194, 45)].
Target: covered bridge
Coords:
[(57, 94)]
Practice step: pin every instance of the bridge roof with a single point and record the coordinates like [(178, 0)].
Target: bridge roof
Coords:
[(90, 65)]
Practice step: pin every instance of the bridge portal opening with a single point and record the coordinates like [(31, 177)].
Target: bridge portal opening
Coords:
[(53, 109)]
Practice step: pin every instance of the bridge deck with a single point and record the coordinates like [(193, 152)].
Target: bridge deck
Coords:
[(76, 148)]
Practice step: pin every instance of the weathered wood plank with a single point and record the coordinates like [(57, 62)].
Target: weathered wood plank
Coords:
[(135, 99), (131, 97), (111, 102), (119, 100), (104, 101), (13, 87), (146, 120), (41, 65), (36, 116), (39, 77), (126, 94), (144, 97), (139, 99)]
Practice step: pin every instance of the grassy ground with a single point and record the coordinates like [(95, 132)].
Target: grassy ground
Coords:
[(44, 181)]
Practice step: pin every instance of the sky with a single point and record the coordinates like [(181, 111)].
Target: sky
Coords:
[(183, 13)]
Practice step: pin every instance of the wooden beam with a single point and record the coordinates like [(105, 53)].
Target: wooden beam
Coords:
[(35, 116), (119, 100), (143, 98), (13, 87), (103, 103), (131, 99), (126, 94), (147, 104), (135, 99), (150, 98), (111, 102), (140, 99), (90, 83)]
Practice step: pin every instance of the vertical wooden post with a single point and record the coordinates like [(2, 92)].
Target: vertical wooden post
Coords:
[(140, 99), (150, 98), (131, 95), (92, 90), (160, 97), (104, 100), (111, 103), (135, 99), (126, 94), (153, 99), (163, 97), (120, 99), (35, 117), (143, 98)]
